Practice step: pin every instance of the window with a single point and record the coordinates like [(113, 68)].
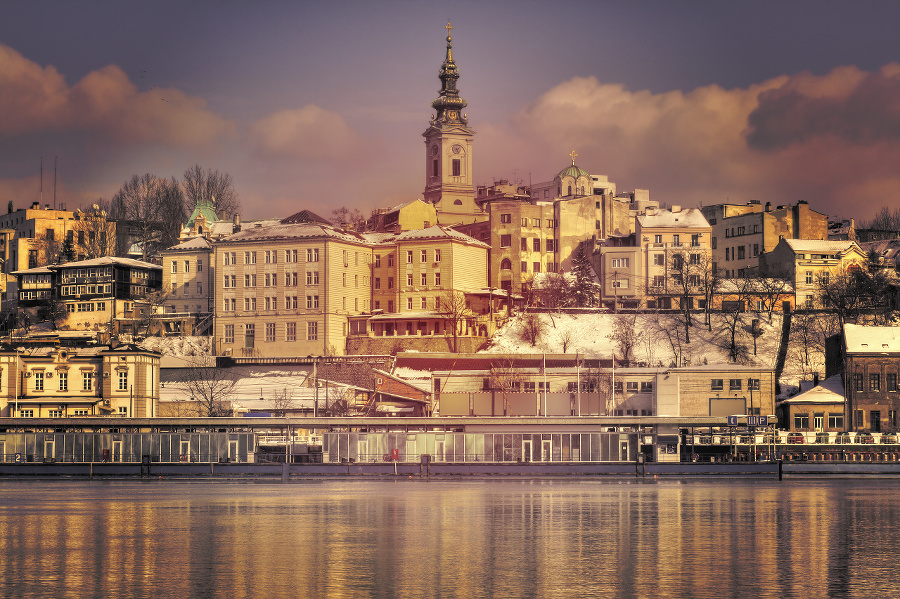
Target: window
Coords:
[(409, 303), (312, 302), (695, 241), (676, 240), (717, 385), (734, 384), (657, 239), (26, 413), (437, 279), (229, 333), (187, 266), (270, 332), (229, 304), (536, 244), (312, 331), (647, 387), (891, 381), (753, 384), (377, 283), (409, 280), (39, 381), (409, 256), (424, 303), (659, 259), (63, 378), (424, 279), (801, 421), (437, 255), (550, 245), (505, 241), (390, 282), (858, 382), (506, 219), (523, 244), (174, 266), (620, 262), (457, 167), (249, 304), (809, 277), (659, 280), (874, 382), (249, 257), (537, 266), (123, 380), (858, 417), (87, 379), (312, 254), (835, 420), (312, 277), (620, 283), (271, 256)]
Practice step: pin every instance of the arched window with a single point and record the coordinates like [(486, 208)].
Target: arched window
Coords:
[(506, 264), (570, 191), (457, 202)]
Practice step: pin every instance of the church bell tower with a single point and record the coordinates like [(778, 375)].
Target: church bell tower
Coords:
[(448, 151)]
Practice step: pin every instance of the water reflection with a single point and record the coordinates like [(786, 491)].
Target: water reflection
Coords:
[(475, 538)]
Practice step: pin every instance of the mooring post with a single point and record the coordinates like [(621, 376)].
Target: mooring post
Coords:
[(780, 470)]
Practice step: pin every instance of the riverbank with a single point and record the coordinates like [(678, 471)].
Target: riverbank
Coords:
[(437, 470)]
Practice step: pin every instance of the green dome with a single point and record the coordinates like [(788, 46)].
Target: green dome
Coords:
[(573, 171)]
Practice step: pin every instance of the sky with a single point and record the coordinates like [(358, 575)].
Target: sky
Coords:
[(316, 105)]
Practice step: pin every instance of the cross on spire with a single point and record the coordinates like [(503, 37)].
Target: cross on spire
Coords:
[(572, 155)]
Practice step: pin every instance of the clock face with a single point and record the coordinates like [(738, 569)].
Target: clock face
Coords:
[(457, 149)]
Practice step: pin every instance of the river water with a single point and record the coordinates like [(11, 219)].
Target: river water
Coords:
[(485, 537)]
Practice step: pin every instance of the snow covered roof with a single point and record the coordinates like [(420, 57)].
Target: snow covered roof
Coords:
[(690, 218), (305, 216), (197, 243), (868, 339), (283, 231), (831, 390), (433, 232), (105, 261), (818, 245)]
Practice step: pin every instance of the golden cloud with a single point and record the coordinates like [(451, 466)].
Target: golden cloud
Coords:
[(309, 132), (809, 137), (37, 99)]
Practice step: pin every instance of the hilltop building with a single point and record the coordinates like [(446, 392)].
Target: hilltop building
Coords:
[(741, 233)]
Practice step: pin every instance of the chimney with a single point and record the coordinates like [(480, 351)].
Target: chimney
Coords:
[(236, 224), (35, 205), (815, 379), (676, 209), (768, 206)]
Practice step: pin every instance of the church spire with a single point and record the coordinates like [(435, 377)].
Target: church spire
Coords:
[(449, 104)]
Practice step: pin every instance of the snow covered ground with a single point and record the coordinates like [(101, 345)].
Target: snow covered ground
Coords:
[(178, 346)]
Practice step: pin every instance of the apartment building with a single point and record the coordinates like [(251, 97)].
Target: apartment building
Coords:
[(870, 374), (809, 264), (741, 233), (89, 294), (188, 272), (62, 382), (647, 270)]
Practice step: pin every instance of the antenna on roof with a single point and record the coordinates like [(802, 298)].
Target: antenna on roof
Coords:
[(54, 181)]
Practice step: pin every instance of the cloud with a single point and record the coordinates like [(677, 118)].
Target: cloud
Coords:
[(848, 104), (310, 132), (826, 139), (35, 99)]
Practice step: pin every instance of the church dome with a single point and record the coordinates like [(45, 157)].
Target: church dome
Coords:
[(574, 172)]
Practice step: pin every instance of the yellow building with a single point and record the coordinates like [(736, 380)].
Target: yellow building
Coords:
[(809, 264), (54, 382)]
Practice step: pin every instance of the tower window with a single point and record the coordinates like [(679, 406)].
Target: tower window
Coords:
[(434, 168), (457, 168)]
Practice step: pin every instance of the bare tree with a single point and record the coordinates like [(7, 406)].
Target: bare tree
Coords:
[(687, 271), (50, 249), (337, 400), (154, 208), (149, 309), (208, 389), (348, 219), (506, 378), (663, 331), (566, 339), (626, 336), (283, 401), (532, 327), (455, 308), (884, 220), (770, 291), (209, 186), (710, 287), (95, 236)]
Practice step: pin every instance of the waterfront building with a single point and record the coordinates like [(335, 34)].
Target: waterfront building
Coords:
[(818, 410), (870, 367), (188, 271), (63, 382)]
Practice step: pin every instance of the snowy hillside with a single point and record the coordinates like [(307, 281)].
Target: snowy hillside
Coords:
[(178, 346), (657, 341)]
